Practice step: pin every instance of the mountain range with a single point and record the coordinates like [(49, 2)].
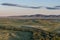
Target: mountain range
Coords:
[(36, 16)]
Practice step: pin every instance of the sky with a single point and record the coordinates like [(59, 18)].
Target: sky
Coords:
[(33, 2), (10, 11)]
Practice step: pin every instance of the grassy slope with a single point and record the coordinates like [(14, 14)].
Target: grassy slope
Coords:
[(48, 25)]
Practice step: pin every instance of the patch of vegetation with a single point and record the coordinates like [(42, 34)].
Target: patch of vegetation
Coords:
[(47, 25)]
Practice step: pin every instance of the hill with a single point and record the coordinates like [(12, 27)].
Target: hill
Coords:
[(50, 25)]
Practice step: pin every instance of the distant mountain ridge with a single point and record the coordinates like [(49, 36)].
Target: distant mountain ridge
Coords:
[(37, 16)]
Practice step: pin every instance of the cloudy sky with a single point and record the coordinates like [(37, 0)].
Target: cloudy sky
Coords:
[(11, 10)]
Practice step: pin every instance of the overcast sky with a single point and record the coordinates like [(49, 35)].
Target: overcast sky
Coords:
[(7, 11)]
